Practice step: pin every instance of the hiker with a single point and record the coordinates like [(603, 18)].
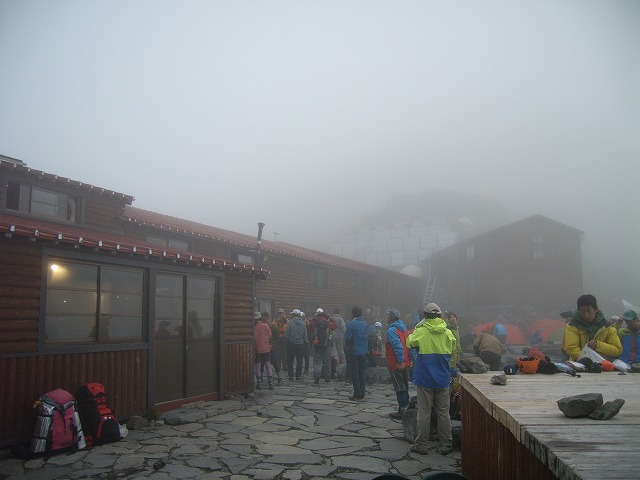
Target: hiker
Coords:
[(355, 338), (432, 376), (338, 334), (489, 349), (398, 360), (589, 327), (321, 328), (452, 324), (630, 338), (261, 338), (296, 336), (278, 343)]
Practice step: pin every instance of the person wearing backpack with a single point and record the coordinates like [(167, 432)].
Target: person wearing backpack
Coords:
[(398, 359), (321, 327)]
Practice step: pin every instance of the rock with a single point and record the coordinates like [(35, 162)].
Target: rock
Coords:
[(409, 424), (472, 365), (499, 380), (608, 410), (136, 423), (580, 405)]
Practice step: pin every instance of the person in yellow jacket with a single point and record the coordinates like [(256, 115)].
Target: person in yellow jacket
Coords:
[(589, 327), (432, 376)]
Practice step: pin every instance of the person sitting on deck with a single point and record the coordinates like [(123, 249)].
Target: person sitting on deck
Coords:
[(589, 327)]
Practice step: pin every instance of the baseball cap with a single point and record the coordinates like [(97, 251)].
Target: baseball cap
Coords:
[(432, 308), (319, 310), (630, 315), (295, 312), (280, 310), (378, 324)]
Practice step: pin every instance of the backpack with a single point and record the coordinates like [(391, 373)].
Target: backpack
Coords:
[(99, 421), (323, 336), (57, 426)]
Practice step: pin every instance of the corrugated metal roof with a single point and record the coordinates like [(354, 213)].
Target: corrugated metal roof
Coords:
[(12, 225), (21, 167), (179, 225)]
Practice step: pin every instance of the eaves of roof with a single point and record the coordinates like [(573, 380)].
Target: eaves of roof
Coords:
[(25, 227), (168, 223), (55, 179)]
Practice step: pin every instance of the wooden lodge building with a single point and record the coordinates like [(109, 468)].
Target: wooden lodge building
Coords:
[(535, 260), (158, 309)]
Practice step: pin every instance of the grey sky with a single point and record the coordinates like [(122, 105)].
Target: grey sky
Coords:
[(307, 115)]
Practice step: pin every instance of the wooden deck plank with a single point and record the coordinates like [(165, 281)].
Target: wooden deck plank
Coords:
[(587, 448)]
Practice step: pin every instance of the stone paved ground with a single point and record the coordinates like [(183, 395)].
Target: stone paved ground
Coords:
[(298, 431)]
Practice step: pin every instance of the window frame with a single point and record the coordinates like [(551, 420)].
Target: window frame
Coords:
[(100, 318), (26, 201), (318, 278)]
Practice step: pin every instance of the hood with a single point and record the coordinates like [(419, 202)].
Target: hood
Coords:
[(434, 325), (577, 321)]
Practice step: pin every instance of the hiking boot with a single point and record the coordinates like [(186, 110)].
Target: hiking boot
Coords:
[(418, 449), (270, 383), (396, 415), (444, 450), (354, 398)]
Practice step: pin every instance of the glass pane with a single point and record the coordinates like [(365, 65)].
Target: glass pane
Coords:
[(120, 304), (66, 302), (168, 329), (169, 285), (114, 279), (199, 287), (169, 308), (70, 328), (125, 327), (72, 276)]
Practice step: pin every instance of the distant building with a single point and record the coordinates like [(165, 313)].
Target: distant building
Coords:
[(396, 246), (536, 260)]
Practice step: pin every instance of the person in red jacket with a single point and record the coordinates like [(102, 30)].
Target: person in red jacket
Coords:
[(262, 344)]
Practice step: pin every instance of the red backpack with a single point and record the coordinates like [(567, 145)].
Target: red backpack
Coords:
[(99, 422), (57, 427)]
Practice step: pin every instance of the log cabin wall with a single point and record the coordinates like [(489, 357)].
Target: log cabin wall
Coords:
[(26, 373), (237, 351)]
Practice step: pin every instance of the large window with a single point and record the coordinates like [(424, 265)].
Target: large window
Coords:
[(93, 303), (40, 202), (318, 278)]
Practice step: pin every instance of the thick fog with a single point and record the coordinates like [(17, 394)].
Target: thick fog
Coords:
[(310, 116)]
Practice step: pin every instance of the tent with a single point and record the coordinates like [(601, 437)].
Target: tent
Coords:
[(547, 325), (514, 334)]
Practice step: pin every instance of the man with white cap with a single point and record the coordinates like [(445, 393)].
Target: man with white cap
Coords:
[(296, 336), (432, 376)]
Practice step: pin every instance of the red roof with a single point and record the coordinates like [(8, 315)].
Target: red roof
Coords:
[(28, 227), (179, 225), (55, 179)]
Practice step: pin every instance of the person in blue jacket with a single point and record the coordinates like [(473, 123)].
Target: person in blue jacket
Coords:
[(630, 338), (355, 337)]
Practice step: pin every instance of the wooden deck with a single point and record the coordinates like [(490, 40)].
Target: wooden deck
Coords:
[(542, 437)]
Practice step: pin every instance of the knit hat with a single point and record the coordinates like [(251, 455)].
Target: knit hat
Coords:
[(393, 313)]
